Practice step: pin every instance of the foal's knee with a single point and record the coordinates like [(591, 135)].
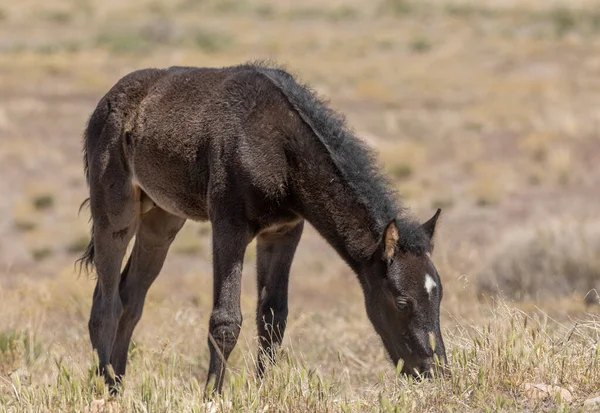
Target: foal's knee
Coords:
[(224, 328)]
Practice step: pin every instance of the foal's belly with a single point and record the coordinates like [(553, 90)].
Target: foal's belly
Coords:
[(176, 203), (173, 183)]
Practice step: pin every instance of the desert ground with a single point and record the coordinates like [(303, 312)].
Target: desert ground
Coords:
[(488, 109)]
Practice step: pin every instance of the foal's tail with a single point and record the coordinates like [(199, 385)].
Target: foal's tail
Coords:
[(92, 133), (86, 261)]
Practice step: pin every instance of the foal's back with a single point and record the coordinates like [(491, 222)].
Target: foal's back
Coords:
[(186, 132)]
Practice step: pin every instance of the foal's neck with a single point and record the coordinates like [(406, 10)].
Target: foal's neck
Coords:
[(335, 210)]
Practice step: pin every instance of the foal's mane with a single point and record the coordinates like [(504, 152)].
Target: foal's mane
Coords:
[(355, 161)]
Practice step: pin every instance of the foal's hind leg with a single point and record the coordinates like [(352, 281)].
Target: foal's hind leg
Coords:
[(274, 259), (115, 215), (157, 229)]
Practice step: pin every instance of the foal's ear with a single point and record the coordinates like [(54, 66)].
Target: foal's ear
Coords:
[(429, 226), (390, 240)]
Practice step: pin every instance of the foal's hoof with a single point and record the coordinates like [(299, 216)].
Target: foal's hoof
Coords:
[(213, 407), (115, 386), (115, 390)]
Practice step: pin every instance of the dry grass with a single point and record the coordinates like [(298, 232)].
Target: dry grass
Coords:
[(551, 158), (487, 109), (24, 216), (46, 362), (490, 184)]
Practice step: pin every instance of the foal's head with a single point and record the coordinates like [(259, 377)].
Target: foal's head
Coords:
[(403, 295)]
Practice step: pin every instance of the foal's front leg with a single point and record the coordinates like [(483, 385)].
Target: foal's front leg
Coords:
[(229, 244)]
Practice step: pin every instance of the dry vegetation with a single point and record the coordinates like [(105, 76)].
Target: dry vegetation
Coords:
[(488, 109), (558, 259)]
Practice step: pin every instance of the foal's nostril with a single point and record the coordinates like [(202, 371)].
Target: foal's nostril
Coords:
[(426, 373), (435, 368), (425, 367)]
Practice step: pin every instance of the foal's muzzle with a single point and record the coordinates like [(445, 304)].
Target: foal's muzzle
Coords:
[(427, 368)]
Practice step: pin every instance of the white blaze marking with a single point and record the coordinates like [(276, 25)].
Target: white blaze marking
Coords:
[(429, 284)]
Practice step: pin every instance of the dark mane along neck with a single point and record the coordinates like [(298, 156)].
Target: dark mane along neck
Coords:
[(346, 197)]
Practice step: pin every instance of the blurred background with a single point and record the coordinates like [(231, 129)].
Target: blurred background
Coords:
[(489, 109)]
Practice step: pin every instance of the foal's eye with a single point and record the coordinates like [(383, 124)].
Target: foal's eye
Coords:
[(402, 306)]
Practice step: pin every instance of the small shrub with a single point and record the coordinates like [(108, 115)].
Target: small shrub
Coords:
[(402, 171), (488, 188), (47, 49), (564, 21), (58, 16), (594, 19), (25, 224), (560, 163), (343, 13), (396, 7), (25, 217), (70, 46), (487, 193), (403, 159), (212, 42), (41, 253), (553, 260), (158, 8), (123, 42), (536, 174), (231, 6), (43, 201), (265, 11), (187, 5), (461, 10), (469, 11), (139, 40), (537, 145), (385, 44), (305, 13), (160, 31), (551, 158), (420, 44), (487, 198)]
